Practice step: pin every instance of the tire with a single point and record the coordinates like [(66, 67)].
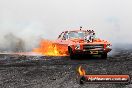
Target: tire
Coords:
[(72, 56), (104, 56)]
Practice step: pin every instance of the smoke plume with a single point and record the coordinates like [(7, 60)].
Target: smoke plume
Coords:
[(23, 23)]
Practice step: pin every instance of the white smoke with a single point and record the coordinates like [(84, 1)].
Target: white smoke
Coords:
[(18, 37), (31, 20)]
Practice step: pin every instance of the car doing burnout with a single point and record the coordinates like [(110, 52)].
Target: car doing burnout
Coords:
[(81, 42)]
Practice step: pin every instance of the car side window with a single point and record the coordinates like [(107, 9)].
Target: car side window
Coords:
[(65, 36), (61, 35)]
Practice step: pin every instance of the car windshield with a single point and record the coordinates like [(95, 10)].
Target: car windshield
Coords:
[(80, 35)]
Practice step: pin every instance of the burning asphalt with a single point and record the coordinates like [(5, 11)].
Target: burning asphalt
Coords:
[(39, 71)]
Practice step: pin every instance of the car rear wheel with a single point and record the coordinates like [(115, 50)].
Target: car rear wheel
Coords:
[(104, 56)]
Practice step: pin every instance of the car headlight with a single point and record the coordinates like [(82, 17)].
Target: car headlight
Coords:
[(77, 46), (108, 46)]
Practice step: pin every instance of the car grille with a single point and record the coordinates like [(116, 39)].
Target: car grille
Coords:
[(91, 46)]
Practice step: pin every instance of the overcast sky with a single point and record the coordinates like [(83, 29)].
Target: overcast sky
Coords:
[(111, 19)]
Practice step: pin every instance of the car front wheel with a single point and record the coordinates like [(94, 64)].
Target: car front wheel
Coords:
[(72, 56)]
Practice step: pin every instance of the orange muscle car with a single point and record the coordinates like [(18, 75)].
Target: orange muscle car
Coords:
[(82, 42)]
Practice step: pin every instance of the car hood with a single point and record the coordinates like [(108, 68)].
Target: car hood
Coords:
[(77, 40), (96, 41)]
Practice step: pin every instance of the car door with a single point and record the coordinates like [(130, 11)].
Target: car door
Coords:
[(62, 42)]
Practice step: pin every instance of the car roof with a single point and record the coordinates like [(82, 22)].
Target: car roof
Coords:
[(76, 30)]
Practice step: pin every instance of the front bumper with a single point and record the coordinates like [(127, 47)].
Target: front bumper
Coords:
[(92, 51)]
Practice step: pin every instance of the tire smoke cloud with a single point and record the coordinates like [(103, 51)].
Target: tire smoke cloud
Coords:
[(23, 23)]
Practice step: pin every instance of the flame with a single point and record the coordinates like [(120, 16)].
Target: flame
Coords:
[(81, 71), (49, 48)]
